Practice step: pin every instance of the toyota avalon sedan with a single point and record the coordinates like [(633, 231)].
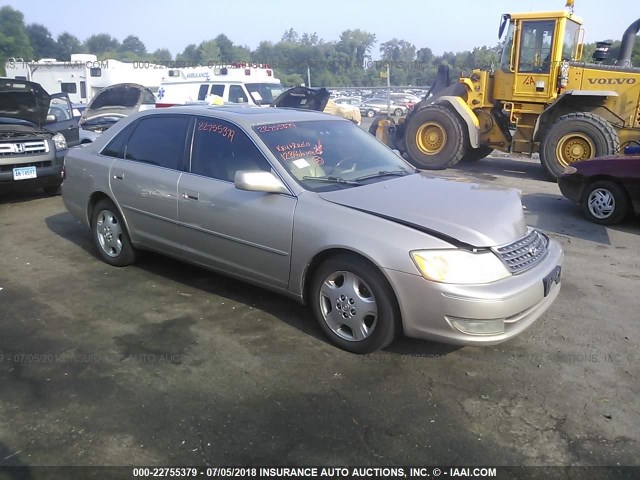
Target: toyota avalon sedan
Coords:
[(311, 206)]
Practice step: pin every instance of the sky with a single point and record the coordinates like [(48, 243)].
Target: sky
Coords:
[(453, 25)]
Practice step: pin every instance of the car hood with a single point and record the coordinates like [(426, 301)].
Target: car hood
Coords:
[(122, 100), (303, 97), (24, 100), (456, 211)]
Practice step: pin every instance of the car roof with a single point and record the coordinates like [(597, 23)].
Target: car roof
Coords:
[(247, 116)]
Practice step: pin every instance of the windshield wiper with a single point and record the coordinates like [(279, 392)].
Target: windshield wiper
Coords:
[(383, 173), (330, 179)]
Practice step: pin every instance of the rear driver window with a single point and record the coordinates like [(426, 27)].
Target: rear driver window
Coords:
[(159, 140)]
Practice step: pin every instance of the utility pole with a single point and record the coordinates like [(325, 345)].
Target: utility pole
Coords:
[(308, 77), (388, 92)]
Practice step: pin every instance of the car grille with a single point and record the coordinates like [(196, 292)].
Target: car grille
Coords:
[(523, 254), (24, 148)]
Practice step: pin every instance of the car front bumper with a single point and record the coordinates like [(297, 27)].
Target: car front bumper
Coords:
[(572, 187), (428, 308)]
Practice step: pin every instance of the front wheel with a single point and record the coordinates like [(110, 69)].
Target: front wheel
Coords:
[(398, 112), (605, 202), (435, 137), (575, 137), (371, 113), (354, 304), (111, 236)]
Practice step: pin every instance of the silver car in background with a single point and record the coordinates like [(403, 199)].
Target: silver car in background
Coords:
[(311, 206)]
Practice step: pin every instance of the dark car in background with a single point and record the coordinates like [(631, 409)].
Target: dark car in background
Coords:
[(607, 188), (36, 130)]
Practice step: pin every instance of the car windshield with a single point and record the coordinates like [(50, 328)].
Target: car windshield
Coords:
[(324, 155), (264, 93)]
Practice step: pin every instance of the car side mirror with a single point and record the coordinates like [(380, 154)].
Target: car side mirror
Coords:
[(256, 181), (50, 119)]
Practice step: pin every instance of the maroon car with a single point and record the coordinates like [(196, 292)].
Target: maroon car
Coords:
[(608, 188)]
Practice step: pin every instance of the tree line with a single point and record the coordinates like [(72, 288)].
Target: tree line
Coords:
[(347, 61)]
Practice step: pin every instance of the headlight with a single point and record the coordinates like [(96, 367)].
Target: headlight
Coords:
[(568, 170), (459, 266), (59, 141)]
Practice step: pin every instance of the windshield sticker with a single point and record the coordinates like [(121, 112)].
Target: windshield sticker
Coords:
[(299, 149), (226, 132), (276, 127)]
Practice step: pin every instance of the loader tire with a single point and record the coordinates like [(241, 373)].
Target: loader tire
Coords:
[(574, 137), (435, 138)]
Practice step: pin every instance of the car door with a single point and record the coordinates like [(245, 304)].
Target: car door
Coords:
[(65, 123), (244, 233), (144, 181)]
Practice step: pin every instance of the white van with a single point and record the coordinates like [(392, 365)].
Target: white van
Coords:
[(247, 84)]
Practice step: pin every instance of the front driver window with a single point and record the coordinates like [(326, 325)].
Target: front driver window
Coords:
[(536, 43)]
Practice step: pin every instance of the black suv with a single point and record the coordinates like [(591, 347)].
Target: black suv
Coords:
[(36, 130)]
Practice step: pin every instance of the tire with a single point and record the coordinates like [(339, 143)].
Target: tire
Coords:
[(52, 190), (338, 304), (398, 112), (575, 137), (606, 203), (435, 138), (475, 154), (370, 113), (110, 235)]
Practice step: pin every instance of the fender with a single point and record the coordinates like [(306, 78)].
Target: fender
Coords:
[(465, 112), (561, 99)]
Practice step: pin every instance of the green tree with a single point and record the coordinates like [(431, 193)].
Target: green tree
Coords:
[(356, 44), (43, 44), (190, 54), (290, 36), (67, 44), (134, 45), (226, 47), (161, 55), (14, 41), (209, 51), (101, 43)]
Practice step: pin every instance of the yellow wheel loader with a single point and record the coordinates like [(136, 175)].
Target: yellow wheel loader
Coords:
[(540, 98)]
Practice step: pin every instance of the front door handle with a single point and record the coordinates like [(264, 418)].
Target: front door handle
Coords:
[(118, 176), (188, 195)]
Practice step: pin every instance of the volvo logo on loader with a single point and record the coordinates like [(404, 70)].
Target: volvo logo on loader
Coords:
[(611, 81)]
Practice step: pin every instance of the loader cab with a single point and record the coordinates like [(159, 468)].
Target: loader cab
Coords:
[(535, 45)]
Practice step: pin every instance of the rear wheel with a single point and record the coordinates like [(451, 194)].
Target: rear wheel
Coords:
[(605, 202), (111, 236), (398, 112), (435, 138), (575, 137), (353, 304)]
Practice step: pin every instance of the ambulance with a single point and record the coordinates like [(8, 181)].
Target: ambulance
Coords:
[(248, 84)]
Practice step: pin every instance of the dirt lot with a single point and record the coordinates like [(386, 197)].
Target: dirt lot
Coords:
[(164, 363)]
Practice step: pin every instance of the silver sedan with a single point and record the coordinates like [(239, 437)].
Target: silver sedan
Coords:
[(311, 206)]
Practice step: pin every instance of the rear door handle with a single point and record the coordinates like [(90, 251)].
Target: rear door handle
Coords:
[(188, 195)]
